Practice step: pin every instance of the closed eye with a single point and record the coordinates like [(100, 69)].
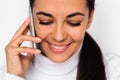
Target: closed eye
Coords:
[(74, 23), (45, 22)]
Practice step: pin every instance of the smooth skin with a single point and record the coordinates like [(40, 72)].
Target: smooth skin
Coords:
[(60, 27), (16, 63), (61, 24)]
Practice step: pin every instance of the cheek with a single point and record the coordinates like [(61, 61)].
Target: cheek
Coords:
[(77, 34), (42, 31)]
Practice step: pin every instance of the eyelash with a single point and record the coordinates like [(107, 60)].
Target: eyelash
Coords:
[(45, 22), (74, 23), (68, 22)]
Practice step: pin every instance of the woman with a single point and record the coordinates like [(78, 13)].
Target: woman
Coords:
[(67, 50)]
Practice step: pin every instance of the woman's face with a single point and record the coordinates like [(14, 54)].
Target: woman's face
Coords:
[(61, 24)]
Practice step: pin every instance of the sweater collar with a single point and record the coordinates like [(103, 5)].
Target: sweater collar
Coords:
[(45, 65)]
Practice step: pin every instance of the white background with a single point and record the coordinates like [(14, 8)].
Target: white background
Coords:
[(105, 28)]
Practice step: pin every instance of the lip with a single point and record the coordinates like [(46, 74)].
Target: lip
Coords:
[(58, 48)]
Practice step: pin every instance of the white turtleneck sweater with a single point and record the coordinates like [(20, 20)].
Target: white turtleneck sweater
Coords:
[(45, 69)]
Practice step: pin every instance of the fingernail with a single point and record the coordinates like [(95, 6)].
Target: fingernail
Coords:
[(24, 54), (38, 39), (27, 20), (38, 51)]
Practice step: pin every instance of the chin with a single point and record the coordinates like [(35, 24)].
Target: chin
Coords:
[(58, 60)]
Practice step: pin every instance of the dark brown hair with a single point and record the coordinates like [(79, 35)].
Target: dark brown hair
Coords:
[(90, 66), (90, 4)]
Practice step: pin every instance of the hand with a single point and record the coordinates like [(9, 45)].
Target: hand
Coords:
[(18, 64)]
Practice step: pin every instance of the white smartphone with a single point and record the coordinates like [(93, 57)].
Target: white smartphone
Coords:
[(32, 28)]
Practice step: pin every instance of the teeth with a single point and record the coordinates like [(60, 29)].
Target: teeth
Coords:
[(58, 47)]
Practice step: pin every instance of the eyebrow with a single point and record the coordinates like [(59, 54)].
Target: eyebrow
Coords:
[(75, 14), (69, 16), (44, 13)]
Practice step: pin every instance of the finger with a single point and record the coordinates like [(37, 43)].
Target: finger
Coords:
[(28, 50), (26, 31), (22, 28), (21, 39)]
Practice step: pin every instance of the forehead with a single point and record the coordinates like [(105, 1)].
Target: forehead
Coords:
[(60, 3), (61, 7)]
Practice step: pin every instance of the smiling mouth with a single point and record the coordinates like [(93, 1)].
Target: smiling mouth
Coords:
[(58, 48)]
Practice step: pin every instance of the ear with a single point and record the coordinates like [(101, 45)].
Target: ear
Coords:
[(90, 19)]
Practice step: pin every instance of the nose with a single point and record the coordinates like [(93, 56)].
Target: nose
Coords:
[(59, 34)]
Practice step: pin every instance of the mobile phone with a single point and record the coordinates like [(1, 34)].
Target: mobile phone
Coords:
[(31, 26)]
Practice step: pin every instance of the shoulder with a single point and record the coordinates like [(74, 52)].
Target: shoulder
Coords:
[(112, 64)]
